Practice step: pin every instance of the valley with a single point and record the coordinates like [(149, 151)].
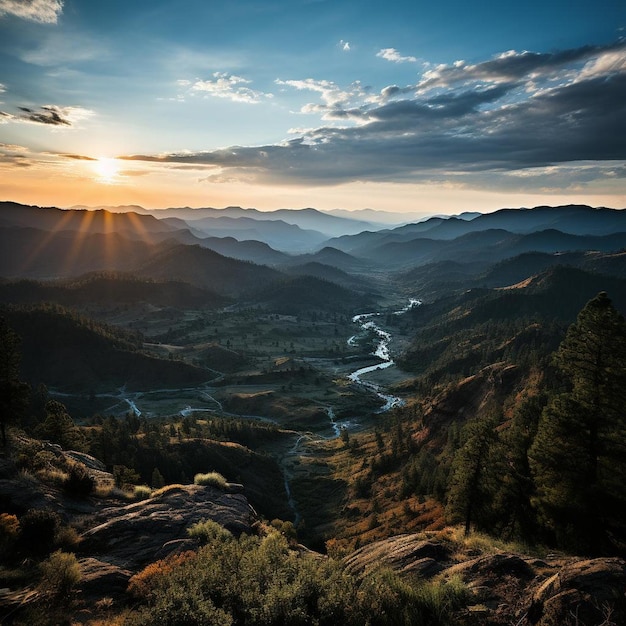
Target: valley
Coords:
[(396, 383)]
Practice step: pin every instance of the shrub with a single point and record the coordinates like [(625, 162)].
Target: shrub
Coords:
[(210, 479), (143, 584), (78, 482), (208, 531), (142, 492), (38, 531), (60, 573), (9, 532)]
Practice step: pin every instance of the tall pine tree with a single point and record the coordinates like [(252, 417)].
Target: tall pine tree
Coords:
[(13, 392), (472, 485), (578, 458)]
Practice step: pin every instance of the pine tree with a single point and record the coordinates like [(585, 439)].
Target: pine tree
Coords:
[(471, 486), (578, 458), (13, 392)]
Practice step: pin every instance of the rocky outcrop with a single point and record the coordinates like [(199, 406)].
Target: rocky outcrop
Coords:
[(134, 535), (464, 400), (590, 591), (403, 553), (101, 579), (509, 588)]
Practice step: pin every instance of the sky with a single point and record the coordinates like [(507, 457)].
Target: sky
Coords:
[(413, 107)]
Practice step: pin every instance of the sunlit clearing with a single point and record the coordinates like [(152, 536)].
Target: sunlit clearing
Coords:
[(107, 170)]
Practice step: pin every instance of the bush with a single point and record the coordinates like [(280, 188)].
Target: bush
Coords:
[(60, 573), (260, 581), (78, 482), (38, 532), (142, 492), (142, 584), (9, 532), (211, 479), (208, 531)]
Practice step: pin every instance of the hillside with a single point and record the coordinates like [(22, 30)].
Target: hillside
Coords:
[(308, 293), (207, 269), (107, 289), (71, 353)]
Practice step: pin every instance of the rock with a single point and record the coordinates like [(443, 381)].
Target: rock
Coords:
[(102, 579), (403, 553), (590, 589), (133, 535), (488, 570)]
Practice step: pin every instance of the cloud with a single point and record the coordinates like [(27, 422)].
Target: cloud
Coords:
[(53, 115), (514, 66), (224, 85), (2, 88), (76, 157), (337, 103), (48, 115), (481, 121), (14, 155), (391, 54), (43, 11)]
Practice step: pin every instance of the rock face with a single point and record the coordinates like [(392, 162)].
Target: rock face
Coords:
[(592, 591), (508, 588), (404, 553), (466, 399), (134, 535)]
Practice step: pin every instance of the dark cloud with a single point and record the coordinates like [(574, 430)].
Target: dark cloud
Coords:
[(46, 115), (495, 127), (513, 66)]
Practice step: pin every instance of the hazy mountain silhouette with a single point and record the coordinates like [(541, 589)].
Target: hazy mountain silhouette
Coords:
[(207, 269), (326, 272)]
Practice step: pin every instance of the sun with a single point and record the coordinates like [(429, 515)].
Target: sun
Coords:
[(107, 170)]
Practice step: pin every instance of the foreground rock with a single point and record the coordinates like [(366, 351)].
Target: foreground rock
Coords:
[(131, 536), (510, 588)]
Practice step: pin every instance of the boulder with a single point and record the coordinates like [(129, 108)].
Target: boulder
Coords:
[(102, 579), (591, 591), (134, 535), (403, 553)]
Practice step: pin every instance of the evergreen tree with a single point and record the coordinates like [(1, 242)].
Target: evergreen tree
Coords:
[(59, 427), (471, 488), (578, 458), (513, 500), (13, 392)]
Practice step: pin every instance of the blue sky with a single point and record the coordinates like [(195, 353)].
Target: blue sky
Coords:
[(402, 106)]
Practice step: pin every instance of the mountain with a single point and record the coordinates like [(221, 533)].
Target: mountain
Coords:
[(65, 351), (307, 293), (207, 269), (107, 289), (331, 256), (485, 246), (131, 225), (33, 253), (326, 272), (276, 233), (325, 222), (248, 250), (459, 332), (570, 219)]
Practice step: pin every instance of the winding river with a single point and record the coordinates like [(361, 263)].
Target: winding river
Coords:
[(367, 324)]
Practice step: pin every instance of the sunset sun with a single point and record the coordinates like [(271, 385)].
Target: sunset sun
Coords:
[(107, 170)]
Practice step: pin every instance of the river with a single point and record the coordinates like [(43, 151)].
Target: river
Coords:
[(367, 324)]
